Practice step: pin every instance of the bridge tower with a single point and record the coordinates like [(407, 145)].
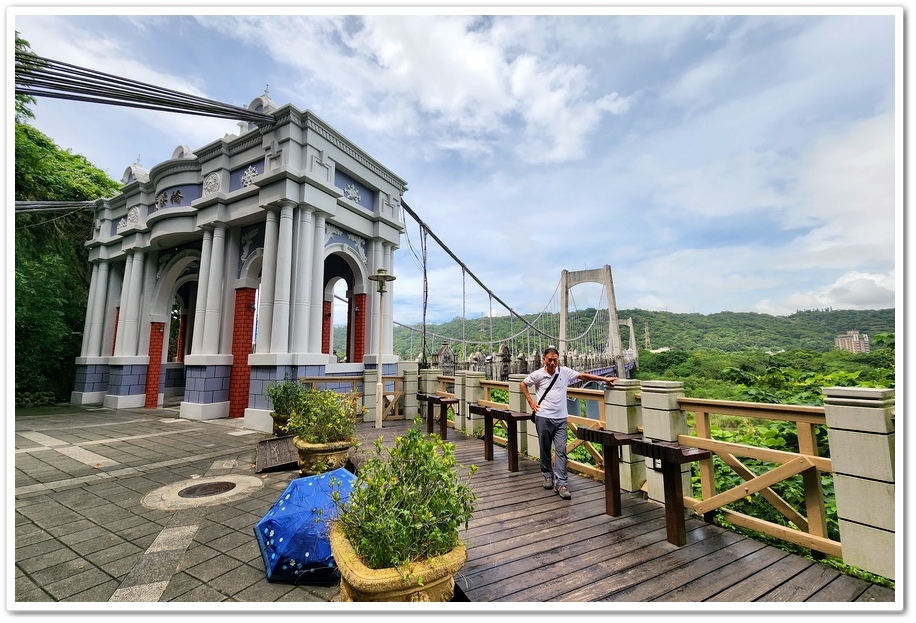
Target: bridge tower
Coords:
[(614, 348)]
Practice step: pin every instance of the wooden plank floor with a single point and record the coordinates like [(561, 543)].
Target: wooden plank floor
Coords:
[(525, 544)]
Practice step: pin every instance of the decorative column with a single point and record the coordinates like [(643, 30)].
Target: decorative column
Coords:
[(203, 281), (123, 307), (317, 297), (214, 291), (99, 300), (861, 431), (279, 338), (90, 306), (304, 256), (268, 281)]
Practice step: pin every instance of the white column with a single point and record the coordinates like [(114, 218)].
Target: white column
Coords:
[(99, 298), (387, 334), (214, 289), (378, 261), (279, 338), (268, 272), (203, 281), (125, 296), (304, 257), (90, 304), (132, 320), (317, 292)]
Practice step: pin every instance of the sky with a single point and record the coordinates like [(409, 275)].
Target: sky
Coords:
[(745, 161)]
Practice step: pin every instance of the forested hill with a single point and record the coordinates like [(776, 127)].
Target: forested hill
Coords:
[(727, 331)]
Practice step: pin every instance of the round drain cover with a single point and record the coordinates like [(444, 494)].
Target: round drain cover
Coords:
[(206, 489)]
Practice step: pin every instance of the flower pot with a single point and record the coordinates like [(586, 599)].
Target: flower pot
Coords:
[(317, 458), (430, 580)]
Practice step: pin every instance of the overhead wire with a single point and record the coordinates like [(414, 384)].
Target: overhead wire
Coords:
[(37, 76)]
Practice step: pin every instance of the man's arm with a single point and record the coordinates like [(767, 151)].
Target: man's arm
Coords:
[(527, 395), (585, 376)]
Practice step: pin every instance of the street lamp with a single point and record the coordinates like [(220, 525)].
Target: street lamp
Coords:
[(381, 278)]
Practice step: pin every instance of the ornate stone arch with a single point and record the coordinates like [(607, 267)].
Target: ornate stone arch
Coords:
[(169, 278)]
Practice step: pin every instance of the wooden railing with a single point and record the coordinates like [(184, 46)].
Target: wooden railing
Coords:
[(393, 388)]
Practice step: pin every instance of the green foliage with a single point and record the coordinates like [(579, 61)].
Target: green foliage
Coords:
[(410, 505), (323, 415), (48, 308), (283, 394), (52, 270), (23, 101)]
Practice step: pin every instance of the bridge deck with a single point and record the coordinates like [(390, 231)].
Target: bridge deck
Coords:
[(526, 544)]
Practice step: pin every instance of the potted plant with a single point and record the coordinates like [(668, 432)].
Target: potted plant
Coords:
[(282, 395), (323, 429), (396, 536)]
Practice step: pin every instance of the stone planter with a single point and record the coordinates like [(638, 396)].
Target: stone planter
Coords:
[(360, 583), (317, 458), (280, 420)]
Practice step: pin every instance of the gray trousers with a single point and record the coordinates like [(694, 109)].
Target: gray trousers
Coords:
[(552, 436)]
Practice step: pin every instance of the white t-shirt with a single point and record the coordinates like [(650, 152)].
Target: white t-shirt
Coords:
[(554, 404)]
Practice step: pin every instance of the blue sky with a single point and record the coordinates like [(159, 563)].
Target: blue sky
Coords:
[(717, 162)]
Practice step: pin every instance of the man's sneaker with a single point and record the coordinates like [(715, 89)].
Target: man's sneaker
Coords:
[(548, 482), (563, 492)]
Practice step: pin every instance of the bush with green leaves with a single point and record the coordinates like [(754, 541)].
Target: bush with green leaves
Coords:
[(323, 415), (410, 505)]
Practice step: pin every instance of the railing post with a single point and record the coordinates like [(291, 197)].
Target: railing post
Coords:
[(411, 388), (621, 407), (429, 381), (370, 388), (471, 393), (860, 423), (527, 431), (663, 419)]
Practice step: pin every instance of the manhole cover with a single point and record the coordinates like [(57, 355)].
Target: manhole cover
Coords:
[(206, 489)]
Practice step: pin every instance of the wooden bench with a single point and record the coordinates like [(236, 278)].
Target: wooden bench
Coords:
[(431, 401), (610, 442), (511, 418), (671, 456)]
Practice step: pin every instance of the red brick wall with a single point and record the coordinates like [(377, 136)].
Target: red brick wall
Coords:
[(359, 329), (240, 375), (182, 331), (154, 369), (114, 340), (326, 327)]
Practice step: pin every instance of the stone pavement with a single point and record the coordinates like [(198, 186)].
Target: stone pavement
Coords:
[(102, 512)]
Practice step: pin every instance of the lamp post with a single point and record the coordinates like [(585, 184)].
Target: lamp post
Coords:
[(381, 278)]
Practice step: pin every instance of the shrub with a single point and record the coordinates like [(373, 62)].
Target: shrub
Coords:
[(323, 416)]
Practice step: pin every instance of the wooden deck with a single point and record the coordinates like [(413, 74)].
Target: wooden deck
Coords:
[(525, 544)]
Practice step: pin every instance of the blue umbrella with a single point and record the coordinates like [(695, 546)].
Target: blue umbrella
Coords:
[(293, 535)]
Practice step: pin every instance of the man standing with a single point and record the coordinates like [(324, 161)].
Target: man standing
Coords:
[(550, 383)]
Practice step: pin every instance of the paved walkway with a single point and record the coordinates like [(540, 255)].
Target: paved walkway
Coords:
[(99, 516)]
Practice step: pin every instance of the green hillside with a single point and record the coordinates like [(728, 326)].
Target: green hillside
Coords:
[(724, 331)]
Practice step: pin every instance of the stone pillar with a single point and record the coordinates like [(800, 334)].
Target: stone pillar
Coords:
[(304, 256), (472, 393), (99, 303), (429, 383), (527, 431), (316, 297), (203, 281), (861, 432), (268, 280), (123, 308), (215, 280), (90, 306), (370, 388), (663, 421), (411, 386), (154, 371), (279, 337), (134, 304), (621, 406), (182, 335)]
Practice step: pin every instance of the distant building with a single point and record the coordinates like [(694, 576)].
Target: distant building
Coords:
[(853, 341)]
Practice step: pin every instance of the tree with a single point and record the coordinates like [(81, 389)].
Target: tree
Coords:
[(52, 270)]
